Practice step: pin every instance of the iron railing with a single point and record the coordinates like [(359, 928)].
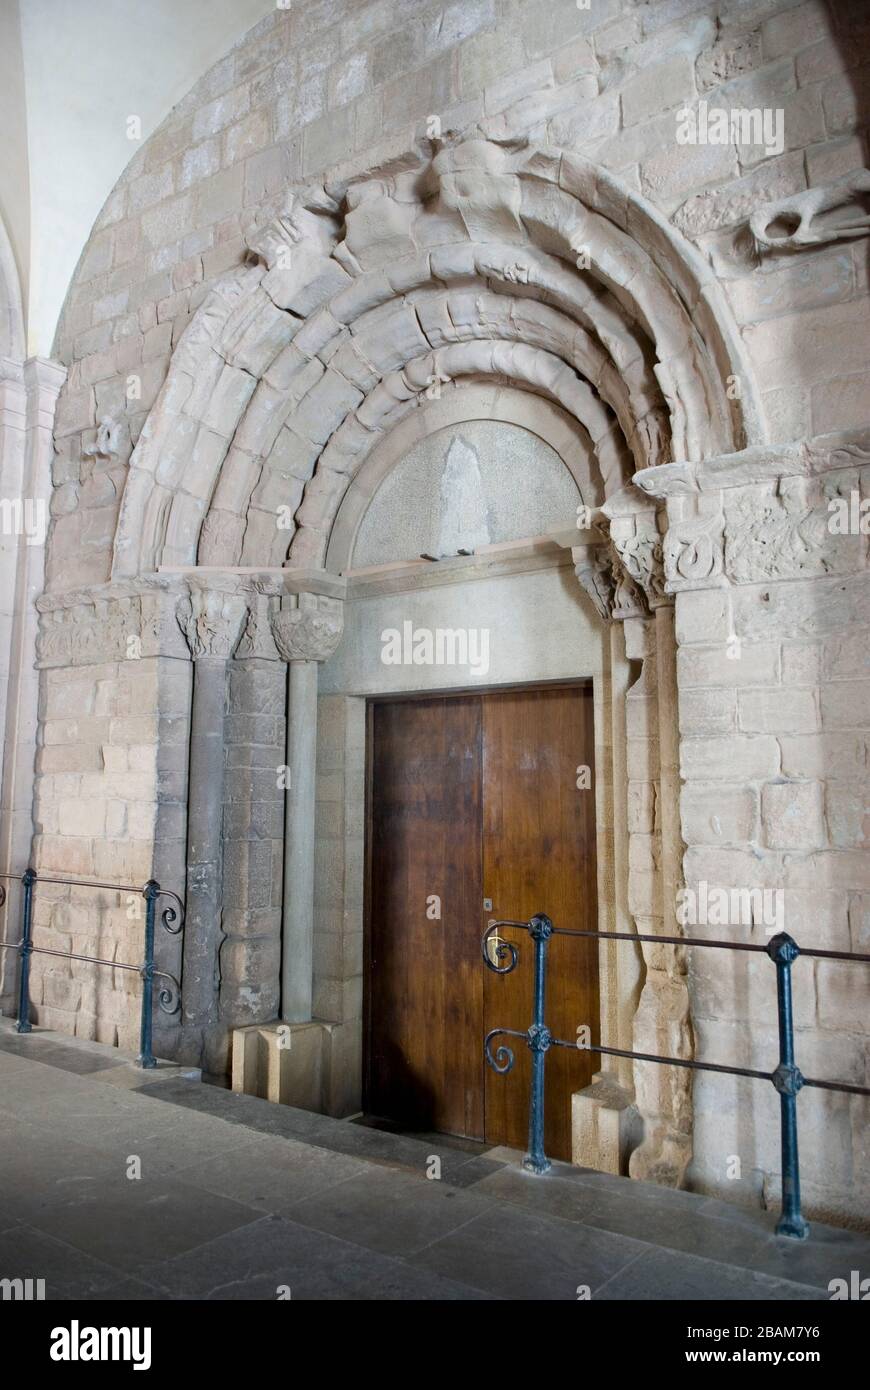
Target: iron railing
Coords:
[(172, 920), (786, 1076)]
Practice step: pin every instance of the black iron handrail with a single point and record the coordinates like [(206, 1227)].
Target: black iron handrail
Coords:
[(786, 1076), (172, 920)]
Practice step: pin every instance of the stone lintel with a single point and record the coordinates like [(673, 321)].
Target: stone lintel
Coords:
[(313, 581)]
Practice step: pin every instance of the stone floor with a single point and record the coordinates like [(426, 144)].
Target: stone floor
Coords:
[(239, 1199)]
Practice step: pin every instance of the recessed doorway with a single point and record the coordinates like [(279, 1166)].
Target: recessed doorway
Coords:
[(477, 808)]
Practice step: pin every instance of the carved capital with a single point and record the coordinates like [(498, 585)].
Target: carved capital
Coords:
[(600, 570), (593, 566), (310, 630), (792, 530), (211, 619), (641, 555), (119, 621)]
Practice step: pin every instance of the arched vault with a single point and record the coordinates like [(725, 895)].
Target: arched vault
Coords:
[(480, 262)]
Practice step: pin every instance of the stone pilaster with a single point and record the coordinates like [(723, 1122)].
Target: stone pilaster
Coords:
[(28, 398)]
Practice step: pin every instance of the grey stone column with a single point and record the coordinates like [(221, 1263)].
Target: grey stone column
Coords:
[(307, 630), (211, 618)]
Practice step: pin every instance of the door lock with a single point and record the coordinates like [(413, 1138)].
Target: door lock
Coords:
[(493, 943), (487, 904)]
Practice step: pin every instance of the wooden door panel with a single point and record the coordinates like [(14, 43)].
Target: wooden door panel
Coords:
[(539, 856), (425, 1005)]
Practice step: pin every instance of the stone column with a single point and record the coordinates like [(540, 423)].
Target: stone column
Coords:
[(211, 618), (605, 1125), (307, 630), (250, 960), (662, 1022)]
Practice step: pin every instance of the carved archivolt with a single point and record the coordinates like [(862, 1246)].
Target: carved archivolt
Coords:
[(460, 264)]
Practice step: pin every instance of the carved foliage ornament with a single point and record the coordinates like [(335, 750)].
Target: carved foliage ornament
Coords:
[(307, 634), (613, 592), (642, 557), (788, 534)]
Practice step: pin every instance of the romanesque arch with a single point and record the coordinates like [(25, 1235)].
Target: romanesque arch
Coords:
[(478, 261)]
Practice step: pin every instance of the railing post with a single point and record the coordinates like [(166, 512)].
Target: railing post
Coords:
[(788, 1081), (538, 1037), (25, 950), (146, 1054)]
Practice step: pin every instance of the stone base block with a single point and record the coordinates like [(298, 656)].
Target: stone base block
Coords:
[(286, 1063), (605, 1126)]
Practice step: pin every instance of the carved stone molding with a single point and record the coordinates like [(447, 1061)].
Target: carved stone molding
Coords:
[(772, 512), (309, 631), (108, 623), (799, 458), (212, 619)]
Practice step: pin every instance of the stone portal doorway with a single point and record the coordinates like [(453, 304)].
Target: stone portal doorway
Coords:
[(480, 805)]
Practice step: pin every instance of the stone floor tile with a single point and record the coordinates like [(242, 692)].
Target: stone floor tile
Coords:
[(667, 1275), (275, 1253), (390, 1212), (529, 1256), (26, 1253), (272, 1174), (133, 1225)]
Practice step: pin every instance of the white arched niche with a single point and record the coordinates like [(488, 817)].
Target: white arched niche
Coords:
[(491, 470)]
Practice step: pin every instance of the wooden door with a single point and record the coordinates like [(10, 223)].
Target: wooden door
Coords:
[(425, 997), (471, 798), (539, 856)]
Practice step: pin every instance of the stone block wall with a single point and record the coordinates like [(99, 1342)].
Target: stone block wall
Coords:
[(109, 804)]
